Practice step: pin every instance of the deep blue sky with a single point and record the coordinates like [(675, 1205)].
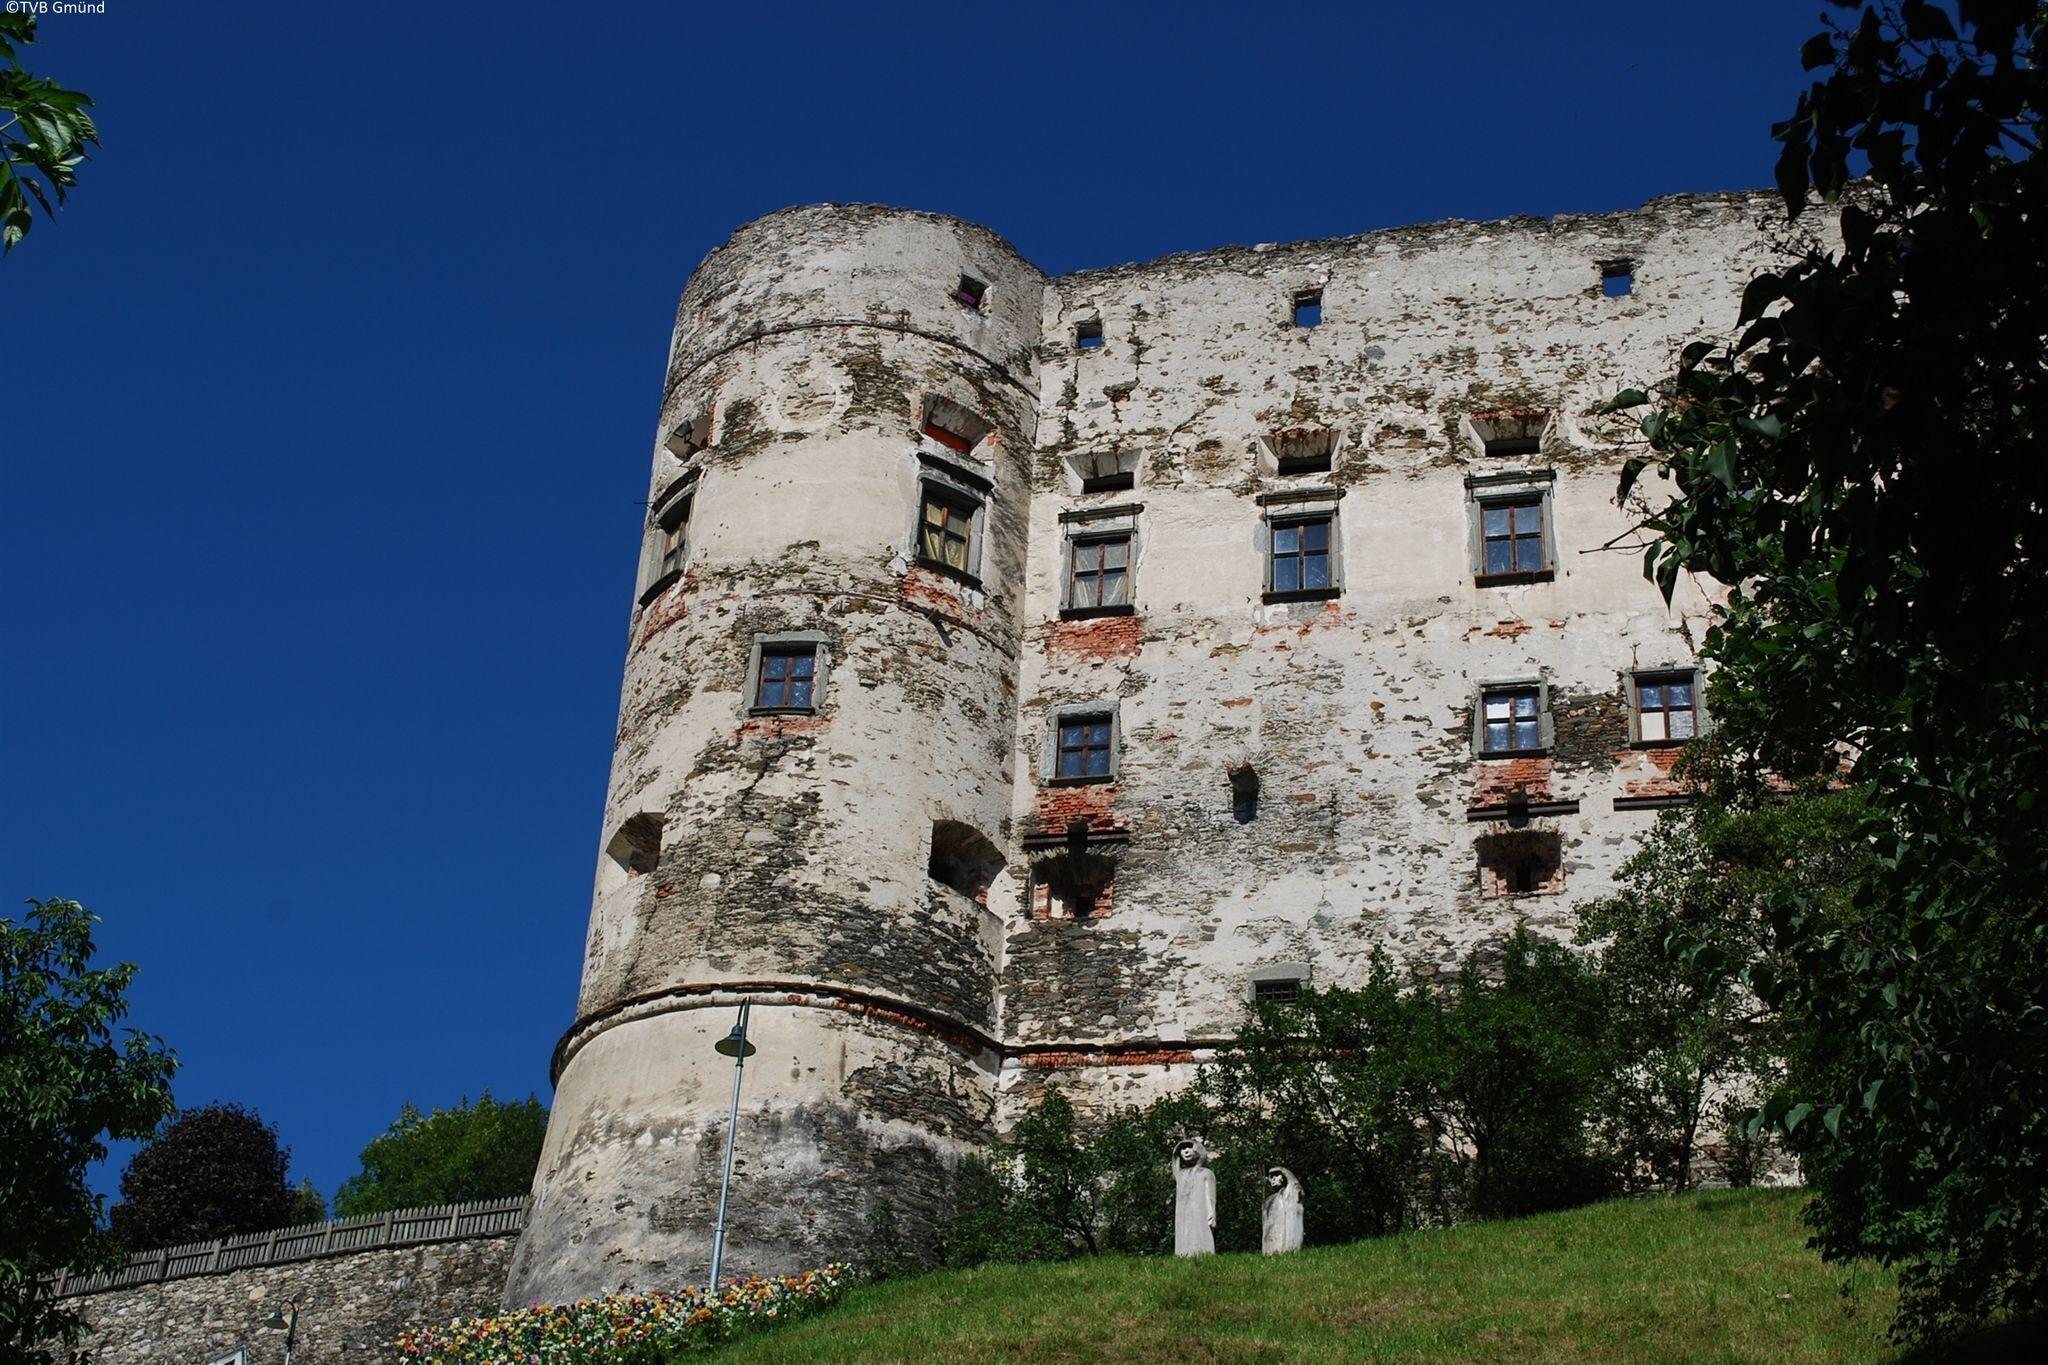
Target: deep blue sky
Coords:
[(331, 395)]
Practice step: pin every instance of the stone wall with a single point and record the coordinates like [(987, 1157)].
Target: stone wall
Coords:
[(351, 1307)]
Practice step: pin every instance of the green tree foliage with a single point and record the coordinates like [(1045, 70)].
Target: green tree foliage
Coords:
[(44, 133), (1399, 1103), (1863, 463), (484, 1150), (308, 1204), (67, 1085), (213, 1171), (1690, 917)]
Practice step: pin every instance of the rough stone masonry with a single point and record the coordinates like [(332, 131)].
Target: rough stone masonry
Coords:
[(1025, 672)]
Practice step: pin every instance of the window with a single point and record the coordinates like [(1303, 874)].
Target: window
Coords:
[(1308, 307), (1520, 863), (1083, 746), (1666, 707), (1504, 446), (970, 293), (1105, 471), (636, 849), (1512, 720), (1088, 334), (1617, 278), (945, 530), (963, 859), (1512, 531), (957, 428), (1510, 432), (1099, 572), (1303, 450), (787, 678), (1301, 555), (1280, 983), (690, 436), (668, 548)]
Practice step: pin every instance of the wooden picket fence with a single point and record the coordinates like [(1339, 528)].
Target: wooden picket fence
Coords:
[(371, 1232)]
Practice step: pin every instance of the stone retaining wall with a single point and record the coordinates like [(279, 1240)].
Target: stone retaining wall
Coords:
[(351, 1307)]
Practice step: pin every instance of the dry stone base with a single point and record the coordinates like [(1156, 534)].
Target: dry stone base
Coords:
[(351, 1308)]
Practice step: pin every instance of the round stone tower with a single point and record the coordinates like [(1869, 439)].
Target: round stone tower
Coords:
[(811, 777)]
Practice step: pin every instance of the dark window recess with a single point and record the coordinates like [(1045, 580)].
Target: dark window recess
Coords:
[(1301, 554), (1617, 278), (1285, 991), (962, 858), (1515, 445), (945, 532), (1101, 572), (1083, 747), (672, 525), (789, 673), (970, 292), (1108, 472), (1513, 720), (1512, 533), (1666, 708), (953, 426), (636, 848), (1308, 308), (1088, 335), (1520, 864), (1304, 450)]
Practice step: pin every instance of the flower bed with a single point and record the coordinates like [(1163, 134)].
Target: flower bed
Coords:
[(626, 1329)]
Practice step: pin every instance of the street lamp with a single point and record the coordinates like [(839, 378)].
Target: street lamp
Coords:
[(278, 1322), (735, 1046)]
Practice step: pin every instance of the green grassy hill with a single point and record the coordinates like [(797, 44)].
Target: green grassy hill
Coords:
[(1721, 1276)]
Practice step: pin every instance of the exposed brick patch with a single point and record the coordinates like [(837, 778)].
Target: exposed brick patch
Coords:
[(924, 587), (1157, 1056), (1498, 779), (671, 606), (1509, 630), (776, 727), (1102, 639), (1647, 773), (1054, 809)]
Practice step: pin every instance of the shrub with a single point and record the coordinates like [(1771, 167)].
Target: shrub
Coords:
[(484, 1150)]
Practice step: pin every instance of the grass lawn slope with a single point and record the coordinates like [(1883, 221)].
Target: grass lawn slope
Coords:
[(1722, 1276)]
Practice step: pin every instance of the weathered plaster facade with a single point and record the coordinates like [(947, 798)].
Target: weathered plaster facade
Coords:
[(1104, 932)]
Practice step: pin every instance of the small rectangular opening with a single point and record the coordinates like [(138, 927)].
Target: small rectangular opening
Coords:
[(1308, 308), (1303, 450), (953, 426), (1283, 991), (970, 292), (1088, 335), (1107, 471), (1515, 445), (1617, 278)]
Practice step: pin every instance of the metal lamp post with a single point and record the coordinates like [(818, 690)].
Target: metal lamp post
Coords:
[(279, 1322), (735, 1046)]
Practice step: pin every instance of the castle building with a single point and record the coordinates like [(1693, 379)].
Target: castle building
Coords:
[(1026, 672)]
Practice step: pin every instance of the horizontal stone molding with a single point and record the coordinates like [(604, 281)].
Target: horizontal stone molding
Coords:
[(307, 1241), (985, 1049), (996, 367)]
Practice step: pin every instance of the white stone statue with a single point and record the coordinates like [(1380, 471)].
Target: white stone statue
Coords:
[(1194, 1199), (1282, 1231)]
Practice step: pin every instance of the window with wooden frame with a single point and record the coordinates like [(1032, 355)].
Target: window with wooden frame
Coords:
[(787, 678), (957, 428), (1512, 719), (668, 546), (1099, 571), (1300, 557), (1511, 535), (1665, 706), (945, 529), (1514, 529), (1083, 746)]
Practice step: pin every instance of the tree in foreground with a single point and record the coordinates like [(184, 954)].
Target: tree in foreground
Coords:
[(485, 1150), (67, 1085), (209, 1172), (44, 133), (1862, 463)]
